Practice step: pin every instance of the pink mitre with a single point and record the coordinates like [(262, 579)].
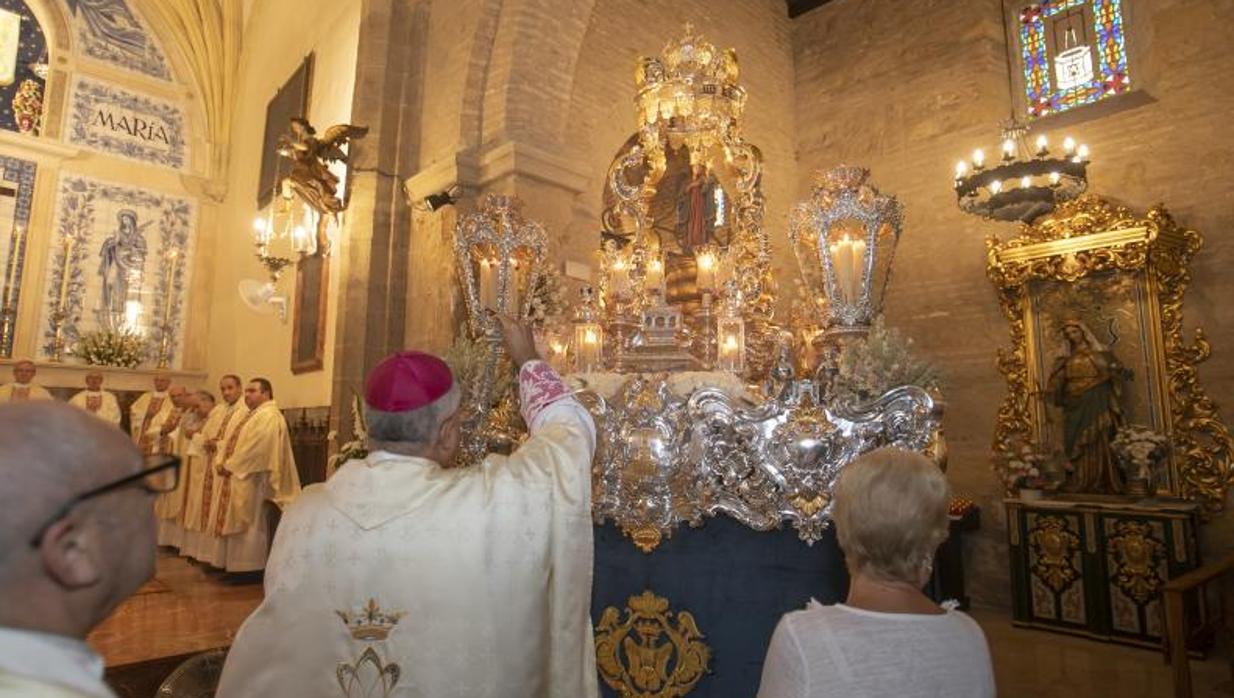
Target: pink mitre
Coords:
[(407, 381)]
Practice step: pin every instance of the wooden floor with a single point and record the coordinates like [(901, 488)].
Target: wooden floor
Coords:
[(189, 609), (184, 609)]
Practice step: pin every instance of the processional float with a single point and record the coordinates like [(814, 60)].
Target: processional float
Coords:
[(710, 413)]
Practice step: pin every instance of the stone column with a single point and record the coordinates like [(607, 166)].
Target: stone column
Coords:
[(373, 247)]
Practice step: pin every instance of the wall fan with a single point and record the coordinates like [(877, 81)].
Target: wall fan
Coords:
[(261, 298)]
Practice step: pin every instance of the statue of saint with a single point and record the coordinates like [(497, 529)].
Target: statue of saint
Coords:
[(123, 260), (1086, 383), (696, 210)]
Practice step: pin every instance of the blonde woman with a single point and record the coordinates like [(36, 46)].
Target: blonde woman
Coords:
[(887, 638)]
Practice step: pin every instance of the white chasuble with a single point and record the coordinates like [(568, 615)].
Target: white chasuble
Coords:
[(22, 392), (100, 403), (400, 578)]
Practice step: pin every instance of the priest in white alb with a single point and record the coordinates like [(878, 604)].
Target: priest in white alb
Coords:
[(194, 462), (98, 402), (258, 466), (216, 436), (23, 388), (171, 438), (403, 575), (148, 413)]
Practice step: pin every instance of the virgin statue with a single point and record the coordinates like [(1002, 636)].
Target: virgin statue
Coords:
[(123, 259), (1086, 382)]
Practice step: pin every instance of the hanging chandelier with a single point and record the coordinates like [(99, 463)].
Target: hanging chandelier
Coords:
[(1026, 182)]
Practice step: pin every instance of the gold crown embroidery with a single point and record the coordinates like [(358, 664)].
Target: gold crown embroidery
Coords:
[(369, 622)]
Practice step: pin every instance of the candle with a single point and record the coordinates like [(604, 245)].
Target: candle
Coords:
[(978, 159), (705, 260), (1055, 177), (654, 279), (960, 169), (847, 259), (1068, 145), (588, 339), (1081, 153), (619, 275), (730, 349), (488, 285), (996, 186), (1008, 149), (1041, 145), (1026, 182)]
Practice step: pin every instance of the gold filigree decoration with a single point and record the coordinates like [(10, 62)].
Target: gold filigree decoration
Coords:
[(1053, 545), (368, 677), (1089, 236), (369, 622), (1135, 556), (646, 538), (650, 653)]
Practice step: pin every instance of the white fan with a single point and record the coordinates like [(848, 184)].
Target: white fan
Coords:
[(261, 299)]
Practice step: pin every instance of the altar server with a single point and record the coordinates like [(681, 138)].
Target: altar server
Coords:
[(427, 579)]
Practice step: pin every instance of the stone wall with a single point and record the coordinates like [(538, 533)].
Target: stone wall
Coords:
[(879, 84)]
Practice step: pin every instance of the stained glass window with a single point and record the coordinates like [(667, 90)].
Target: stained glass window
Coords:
[(1073, 52)]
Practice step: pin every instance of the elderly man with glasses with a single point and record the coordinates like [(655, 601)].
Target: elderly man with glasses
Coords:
[(76, 539)]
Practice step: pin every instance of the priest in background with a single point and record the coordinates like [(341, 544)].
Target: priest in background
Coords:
[(194, 462), (98, 402), (257, 466), (22, 388), (172, 438), (409, 576), (148, 413), (216, 436)]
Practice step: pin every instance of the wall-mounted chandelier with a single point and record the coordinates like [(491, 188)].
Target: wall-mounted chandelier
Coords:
[(1025, 181)]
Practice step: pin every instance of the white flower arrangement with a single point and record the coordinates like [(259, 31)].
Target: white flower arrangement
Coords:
[(548, 300), (882, 361), (1140, 450), (1020, 465), (111, 348), (357, 448)]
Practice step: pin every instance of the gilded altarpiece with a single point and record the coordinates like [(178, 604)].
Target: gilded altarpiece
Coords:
[(1096, 281)]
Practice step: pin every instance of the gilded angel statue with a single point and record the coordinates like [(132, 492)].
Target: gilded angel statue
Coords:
[(311, 156)]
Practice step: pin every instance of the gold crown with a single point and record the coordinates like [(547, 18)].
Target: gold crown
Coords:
[(369, 622)]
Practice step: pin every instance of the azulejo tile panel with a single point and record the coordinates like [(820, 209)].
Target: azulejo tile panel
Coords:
[(112, 120), (121, 258), (111, 32)]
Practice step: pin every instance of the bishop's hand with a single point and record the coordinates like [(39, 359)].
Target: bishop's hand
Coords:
[(520, 343)]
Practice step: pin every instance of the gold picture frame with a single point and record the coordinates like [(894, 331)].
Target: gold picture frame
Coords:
[(1093, 256)]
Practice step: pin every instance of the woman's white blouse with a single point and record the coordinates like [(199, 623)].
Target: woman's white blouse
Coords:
[(838, 650)]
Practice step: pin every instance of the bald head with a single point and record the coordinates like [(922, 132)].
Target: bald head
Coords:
[(50, 452), (70, 566)]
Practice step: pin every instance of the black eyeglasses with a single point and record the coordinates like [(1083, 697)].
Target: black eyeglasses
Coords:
[(160, 474)]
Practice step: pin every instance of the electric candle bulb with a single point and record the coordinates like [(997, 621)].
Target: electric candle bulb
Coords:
[(1069, 145), (1055, 178), (960, 169), (1026, 182), (1041, 144), (1008, 148), (1082, 153), (978, 158), (996, 186)]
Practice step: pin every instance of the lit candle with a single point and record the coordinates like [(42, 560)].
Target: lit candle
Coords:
[(1069, 145), (1055, 178), (996, 186), (848, 258), (978, 159), (261, 231), (1081, 153), (653, 280), (1008, 149), (1026, 182), (620, 277), (488, 285), (960, 169), (705, 259), (588, 339), (1042, 144)]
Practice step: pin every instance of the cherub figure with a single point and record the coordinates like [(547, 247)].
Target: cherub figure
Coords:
[(311, 156)]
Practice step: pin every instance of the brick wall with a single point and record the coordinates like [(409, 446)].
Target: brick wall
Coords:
[(907, 89)]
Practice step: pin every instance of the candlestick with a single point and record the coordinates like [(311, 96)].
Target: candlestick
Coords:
[(705, 262), (654, 279)]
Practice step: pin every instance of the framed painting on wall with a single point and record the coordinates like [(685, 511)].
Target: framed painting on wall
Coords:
[(291, 100), (308, 341)]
